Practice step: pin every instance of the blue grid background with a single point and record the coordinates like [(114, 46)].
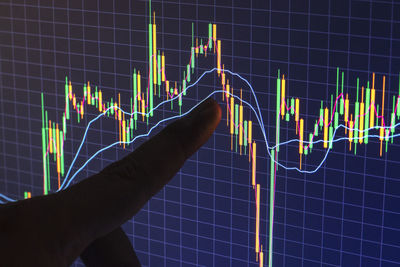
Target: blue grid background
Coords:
[(346, 214)]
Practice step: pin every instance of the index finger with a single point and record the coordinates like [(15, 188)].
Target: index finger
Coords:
[(104, 201)]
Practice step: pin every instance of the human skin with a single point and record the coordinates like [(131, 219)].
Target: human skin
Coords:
[(85, 219)]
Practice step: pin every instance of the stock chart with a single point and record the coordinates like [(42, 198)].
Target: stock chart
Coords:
[(303, 169)]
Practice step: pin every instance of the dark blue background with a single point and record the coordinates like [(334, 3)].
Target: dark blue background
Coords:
[(346, 214)]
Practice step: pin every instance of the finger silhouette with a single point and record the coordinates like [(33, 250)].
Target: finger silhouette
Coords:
[(113, 249), (54, 230), (101, 203)]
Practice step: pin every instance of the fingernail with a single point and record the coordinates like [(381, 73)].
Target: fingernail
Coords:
[(207, 111), (205, 105)]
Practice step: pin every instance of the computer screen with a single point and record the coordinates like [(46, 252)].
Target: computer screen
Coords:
[(304, 167)]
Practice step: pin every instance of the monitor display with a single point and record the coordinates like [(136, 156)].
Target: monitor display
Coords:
[(304, 167)]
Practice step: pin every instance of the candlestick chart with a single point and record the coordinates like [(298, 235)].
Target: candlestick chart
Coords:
[(274, 130)]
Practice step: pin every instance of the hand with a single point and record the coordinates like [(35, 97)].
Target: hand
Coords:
[(84, 220)]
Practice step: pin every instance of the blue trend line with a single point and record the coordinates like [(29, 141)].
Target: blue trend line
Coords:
[(67, 181)]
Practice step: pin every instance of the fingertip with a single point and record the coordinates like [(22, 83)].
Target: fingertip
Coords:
[(211, 116), (218, 112), (210, 113)]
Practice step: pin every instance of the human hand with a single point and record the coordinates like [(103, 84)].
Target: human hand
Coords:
[(85, 218)]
